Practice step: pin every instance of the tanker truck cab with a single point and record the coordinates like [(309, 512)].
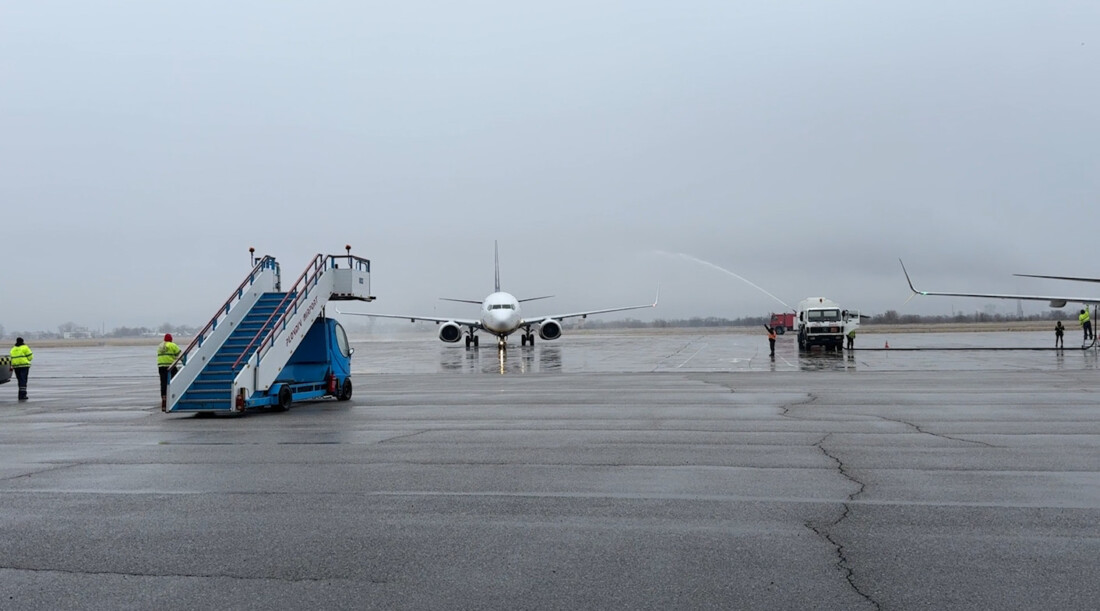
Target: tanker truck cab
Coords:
[(820, 324), (320, 367)]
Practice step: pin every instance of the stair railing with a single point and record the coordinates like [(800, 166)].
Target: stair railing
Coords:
[(296, 295), (266, 262)]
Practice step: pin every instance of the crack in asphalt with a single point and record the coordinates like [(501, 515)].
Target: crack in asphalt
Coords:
[(405, 436), (842, 562), (784, 410), (179, 575), (56, 467), (920, 430)]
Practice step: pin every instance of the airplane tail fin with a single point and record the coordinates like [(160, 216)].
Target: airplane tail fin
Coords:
[(496, 266)]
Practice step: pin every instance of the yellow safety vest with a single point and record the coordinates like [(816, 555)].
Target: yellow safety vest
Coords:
[(1084, 317), (21, 356), (167, 353)]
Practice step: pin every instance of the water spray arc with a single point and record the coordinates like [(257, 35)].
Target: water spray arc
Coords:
[(726, 271)]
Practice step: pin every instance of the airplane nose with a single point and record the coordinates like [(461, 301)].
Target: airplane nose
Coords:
[(499, 319)]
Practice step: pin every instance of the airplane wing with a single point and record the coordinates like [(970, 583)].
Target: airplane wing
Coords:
[(1056, 301), (465, 322), (1073, 278), (586, 313)]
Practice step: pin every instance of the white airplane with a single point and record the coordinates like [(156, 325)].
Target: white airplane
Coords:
[(500, 316), (1056, 301)]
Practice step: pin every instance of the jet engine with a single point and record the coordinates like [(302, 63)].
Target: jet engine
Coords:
[(450, 332), (1058, 303), (550, 329)]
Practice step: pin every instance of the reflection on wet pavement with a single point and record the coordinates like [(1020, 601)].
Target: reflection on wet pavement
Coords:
[(514, 359)]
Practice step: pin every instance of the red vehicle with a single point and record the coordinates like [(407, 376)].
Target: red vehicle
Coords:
[(781, 322)]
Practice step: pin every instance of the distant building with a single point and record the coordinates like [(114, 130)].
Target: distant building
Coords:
[(78, 333)]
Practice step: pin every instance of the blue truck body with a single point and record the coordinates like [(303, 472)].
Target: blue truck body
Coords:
[(320, 367)]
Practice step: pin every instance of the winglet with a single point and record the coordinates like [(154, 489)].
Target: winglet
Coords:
[(910, 281), (658, 297)]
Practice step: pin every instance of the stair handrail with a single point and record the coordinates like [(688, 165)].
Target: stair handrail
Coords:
[(308, 278), (265, 262)]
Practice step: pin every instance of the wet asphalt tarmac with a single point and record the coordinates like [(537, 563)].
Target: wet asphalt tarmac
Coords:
[(622, 470)]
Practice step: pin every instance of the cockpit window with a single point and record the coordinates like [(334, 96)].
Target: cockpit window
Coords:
[(501, 306)]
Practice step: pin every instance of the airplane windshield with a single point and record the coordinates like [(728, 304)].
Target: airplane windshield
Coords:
[(823, 315), (501, 306)]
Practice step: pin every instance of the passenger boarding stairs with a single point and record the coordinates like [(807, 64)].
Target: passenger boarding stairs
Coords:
[(246, 344)]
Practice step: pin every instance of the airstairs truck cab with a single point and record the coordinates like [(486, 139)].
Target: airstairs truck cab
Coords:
[(320, 367), (821, 322)]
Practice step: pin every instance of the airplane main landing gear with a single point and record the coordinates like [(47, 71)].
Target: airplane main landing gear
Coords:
[(471, 339), (526, 338)]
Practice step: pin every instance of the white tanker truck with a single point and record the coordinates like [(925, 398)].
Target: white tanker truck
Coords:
[(821, 322)]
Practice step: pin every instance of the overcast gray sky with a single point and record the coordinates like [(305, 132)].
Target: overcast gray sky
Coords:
[(144, 146)]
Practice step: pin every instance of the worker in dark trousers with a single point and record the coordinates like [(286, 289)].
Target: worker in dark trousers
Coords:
[(1059, 331), (771, 339), (167, 353), (21, 358), (1086, 324)]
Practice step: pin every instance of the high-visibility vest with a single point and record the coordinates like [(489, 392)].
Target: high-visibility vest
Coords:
[(771, 334), (21, 356), (1084, 317), (167, 353)]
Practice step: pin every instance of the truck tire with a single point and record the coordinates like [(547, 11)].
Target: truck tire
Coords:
[(780, 330), (285, 399), (345, 390)]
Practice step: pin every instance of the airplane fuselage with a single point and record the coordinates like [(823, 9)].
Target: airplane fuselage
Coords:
[(500, 314)]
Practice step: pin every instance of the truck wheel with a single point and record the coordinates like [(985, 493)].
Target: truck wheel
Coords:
[(345, 390), (285, 399), (780, 330)]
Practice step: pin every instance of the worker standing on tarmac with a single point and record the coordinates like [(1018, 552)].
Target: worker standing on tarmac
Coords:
[(167, 353), (1086, 324), (852, 338), (1059, 331), (771, 339), (21, 358)]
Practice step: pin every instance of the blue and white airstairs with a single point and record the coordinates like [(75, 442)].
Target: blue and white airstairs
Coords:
[(266, 347)]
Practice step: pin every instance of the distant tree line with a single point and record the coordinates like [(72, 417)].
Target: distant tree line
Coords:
[(889, 317), (73, 330)]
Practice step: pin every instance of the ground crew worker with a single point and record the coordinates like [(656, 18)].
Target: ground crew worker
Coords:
[(167, 352), (852, 338), (21, 358), (1059, 330), (771, 338), (1086, 324)]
